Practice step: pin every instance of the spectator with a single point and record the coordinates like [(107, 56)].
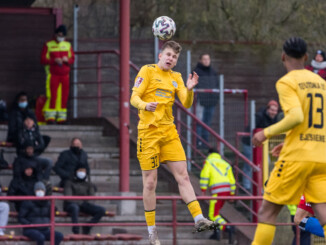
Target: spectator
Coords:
[(30, 132), (318, 64), (3, 112), (69, 160), (208, 79), (263, 118), (79, 186), (37, 212), (43, 165), (57, 57), (24, 185), (19, 112), (4, 214), (218, 176)]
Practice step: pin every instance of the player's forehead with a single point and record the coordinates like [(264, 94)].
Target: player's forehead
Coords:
[(169, 51)]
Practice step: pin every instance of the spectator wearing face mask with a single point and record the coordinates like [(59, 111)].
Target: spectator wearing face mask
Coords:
[(17, 115), (318, 64), (57, 57), (79, 186), (37, 212), (69, 160)]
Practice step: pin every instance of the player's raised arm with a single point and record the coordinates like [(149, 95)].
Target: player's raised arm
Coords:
[(186, 93)]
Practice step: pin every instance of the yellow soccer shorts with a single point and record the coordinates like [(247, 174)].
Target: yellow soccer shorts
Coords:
[(289, 180), (157, 145)]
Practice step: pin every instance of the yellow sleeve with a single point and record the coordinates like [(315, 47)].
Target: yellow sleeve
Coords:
[(140, 85), (185, 96), (204, 176), (231, 180), (291, 107)]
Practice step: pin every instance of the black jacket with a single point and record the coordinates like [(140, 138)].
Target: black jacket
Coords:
[(16, 122), (208, 79), (35, 212), (22, 162), (67, 163), (263, 120), (32, 135), (23, 185)]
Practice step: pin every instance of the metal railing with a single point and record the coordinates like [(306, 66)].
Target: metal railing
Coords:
[(174, 223)]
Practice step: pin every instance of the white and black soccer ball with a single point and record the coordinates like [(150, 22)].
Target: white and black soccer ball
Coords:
[(163, 28)]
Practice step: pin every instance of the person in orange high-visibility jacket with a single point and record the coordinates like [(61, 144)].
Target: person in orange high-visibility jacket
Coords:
[(57, 57), (217, 175)]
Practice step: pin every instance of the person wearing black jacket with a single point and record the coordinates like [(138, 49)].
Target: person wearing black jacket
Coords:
[(37, 212), (44, 165), (68, 161), (23, 185), (19, 112), (79, 186), (208, 79)]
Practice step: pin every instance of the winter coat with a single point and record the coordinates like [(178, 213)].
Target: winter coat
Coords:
[(208, 79), (33, 135), (67, 163), (16, 122), (34, 212), (77, 187)]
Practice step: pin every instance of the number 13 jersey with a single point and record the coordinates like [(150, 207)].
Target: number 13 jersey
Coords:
[(307, 141)]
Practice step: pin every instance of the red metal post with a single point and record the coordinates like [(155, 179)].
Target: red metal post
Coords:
[(174, 221), (257, 176), (124, 93), (52, 237), (99, 85)]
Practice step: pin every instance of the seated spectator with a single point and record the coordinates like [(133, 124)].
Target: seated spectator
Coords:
[(43, 165), (79, 186), (23, 185), (37, 212), (30, 133), (318, 64), (4, 214), (19, 112), (69, 160)]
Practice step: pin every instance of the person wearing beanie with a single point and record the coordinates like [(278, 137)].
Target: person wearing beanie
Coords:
[(318, 64), (80, 185), (37, 212), (57, 57)]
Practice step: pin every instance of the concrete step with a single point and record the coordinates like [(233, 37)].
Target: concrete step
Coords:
[(88, 141), (114, 163)]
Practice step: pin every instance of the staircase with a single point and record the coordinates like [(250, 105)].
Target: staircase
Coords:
[(103, 156)]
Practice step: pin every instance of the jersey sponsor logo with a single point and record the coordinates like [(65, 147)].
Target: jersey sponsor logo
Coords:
[(312, 137), (163, 93), (175, 84), (138, 82)]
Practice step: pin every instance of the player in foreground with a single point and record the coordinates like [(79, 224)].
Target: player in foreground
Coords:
[(301, 167), (158, 140)]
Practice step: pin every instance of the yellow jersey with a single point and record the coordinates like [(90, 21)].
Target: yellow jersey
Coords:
[(306, 141), (155, 85)]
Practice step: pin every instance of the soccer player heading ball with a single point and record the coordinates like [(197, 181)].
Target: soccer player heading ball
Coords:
[(158, 140), (301, 167)]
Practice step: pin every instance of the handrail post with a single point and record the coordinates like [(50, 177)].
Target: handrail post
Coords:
[(99, 85), (52, 236), (174, 221)]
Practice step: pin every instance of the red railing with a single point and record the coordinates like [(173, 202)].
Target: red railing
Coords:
[(174, 223)]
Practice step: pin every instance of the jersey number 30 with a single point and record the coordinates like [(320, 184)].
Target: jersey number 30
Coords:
[(319, 110)]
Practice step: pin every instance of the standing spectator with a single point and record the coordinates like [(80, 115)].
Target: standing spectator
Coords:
[(318, 64), (37, 212), (57, 57), (69, 160), (79, 186), (263, 118), (218, 176), (208, 79)]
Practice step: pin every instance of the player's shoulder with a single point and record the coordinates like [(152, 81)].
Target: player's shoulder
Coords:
[(176, 75), (149, 67)]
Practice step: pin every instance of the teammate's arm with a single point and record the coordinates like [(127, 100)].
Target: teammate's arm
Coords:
[(186, 94)]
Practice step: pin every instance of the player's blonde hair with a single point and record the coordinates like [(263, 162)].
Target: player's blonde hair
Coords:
[(176, 47)]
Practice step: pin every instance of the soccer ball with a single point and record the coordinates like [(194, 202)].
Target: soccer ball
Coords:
[(163, 28)]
